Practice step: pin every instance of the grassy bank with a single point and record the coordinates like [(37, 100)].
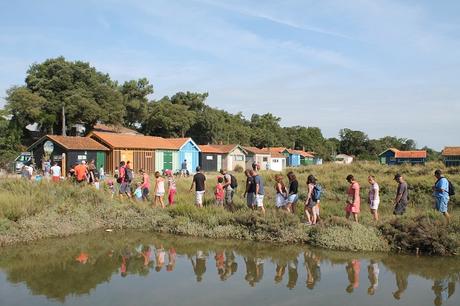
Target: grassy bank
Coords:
[(31, 211)]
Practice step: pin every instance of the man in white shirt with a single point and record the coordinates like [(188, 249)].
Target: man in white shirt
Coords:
[(55, 172)]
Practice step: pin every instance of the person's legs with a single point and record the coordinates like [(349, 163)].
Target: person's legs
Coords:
[(447, 216), (311, 211), (355, 217), (307, 214), (160, 198)]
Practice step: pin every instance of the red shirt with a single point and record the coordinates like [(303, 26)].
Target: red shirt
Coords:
[(219, 193), (80, 172)]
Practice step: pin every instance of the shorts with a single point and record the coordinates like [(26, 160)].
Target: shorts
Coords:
[(250, 199), (374, 205), (311, 203), (220, 202), (160, 194), (315, 210), (55, 179), (125, 188), (228, 196), (293, 198), (260, 200), (400, 208), (199, 197), (145, 193), (441, 204), (280, 200)]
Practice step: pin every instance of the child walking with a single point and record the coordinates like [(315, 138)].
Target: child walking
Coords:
[(159, 189), (138, 192), (171, 187), (219, 192)]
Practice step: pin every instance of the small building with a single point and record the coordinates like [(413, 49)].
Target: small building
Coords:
[(277, 159), (187, 150), (258, 156), (306, 158), (343, 159), (394, 156), (138, 149), (451, 156), (112, 128), (292, 157), (227, 157), (67, 151)]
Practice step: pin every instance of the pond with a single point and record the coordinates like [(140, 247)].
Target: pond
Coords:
[(133, 268)]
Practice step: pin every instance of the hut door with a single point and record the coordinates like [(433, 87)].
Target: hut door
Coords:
[(167, 160), (127, 156), (219, 162), (189, 157), (100, 160)]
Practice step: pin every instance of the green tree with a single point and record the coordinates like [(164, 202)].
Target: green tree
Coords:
[(135, 99), (70, 92), (267, 132), (193, 100), (353, 142)]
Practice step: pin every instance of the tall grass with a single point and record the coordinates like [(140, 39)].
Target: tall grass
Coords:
[(31, 210)]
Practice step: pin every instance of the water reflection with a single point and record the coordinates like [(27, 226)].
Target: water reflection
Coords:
[(71, 267)]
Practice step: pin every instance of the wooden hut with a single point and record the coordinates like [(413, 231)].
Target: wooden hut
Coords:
[(227, 157), (68, 150), (187, 150), (277, 159), (451, 156), (394, 156), (139, 149), (259, 156), (292, 157)]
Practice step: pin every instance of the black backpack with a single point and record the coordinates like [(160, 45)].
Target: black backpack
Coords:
[(233, 181), (451, 189), (128, 175)]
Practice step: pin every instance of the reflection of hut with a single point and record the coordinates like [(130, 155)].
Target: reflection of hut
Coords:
[(68, 150)]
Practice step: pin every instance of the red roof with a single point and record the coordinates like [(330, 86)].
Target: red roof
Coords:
[(451, 151), (218, 149), (301, 153), (128, 141), (255, 150), (276, 152), (75, 143), (408, 154), (177, 143)]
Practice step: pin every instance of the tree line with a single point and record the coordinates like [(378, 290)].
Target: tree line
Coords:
[(59, 94)]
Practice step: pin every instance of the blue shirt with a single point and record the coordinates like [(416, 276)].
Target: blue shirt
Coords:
[(258, 181), (443, 184)]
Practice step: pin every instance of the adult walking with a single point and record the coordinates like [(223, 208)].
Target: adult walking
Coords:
[(374, 197), (441, 194), (199, 181), (250, 191), (145, 186), (91, 172), (402, 196), (311, 210), (260, 190), (81, 172), (229, 191), (293, 192), (183, 168), (281, 193), (353, 200)]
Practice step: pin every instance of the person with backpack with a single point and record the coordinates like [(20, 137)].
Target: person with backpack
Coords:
[(125, 178), (353, 200), (441, 193), (311, 210), (230, 184)]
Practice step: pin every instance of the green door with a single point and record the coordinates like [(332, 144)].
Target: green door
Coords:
[(167, 160), (100, 160)]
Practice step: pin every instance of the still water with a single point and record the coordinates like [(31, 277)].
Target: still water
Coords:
[(129, 268)]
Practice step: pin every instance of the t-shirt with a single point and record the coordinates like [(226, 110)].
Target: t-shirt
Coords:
[(228, 179), (138, 193), (402, 189), (251, 185), (294, 187), (443, 184), (56, 170), (145, 181), (219, 193), (171, 183), (184, 166), (258, 181), (374, 193), (199, 180), (80, 172)]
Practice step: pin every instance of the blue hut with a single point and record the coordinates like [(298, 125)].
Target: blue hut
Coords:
[(188, 150), (292, 157), (394, 156)]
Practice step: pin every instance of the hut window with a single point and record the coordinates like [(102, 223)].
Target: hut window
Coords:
[(265, 159), (209, 157), (275, 160), (239, 157), (81, 157)]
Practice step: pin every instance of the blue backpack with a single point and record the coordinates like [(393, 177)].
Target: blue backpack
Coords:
[(316, 193)]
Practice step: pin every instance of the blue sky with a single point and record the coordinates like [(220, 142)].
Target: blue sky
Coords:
[(384, 67)]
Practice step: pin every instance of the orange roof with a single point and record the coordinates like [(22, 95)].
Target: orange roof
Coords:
[(410, 154), (301, 153), (177, 143), (111, 128), (276, 152), (76, 143), (256, 150), (128, 141), (218, 149), (451, 151)]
